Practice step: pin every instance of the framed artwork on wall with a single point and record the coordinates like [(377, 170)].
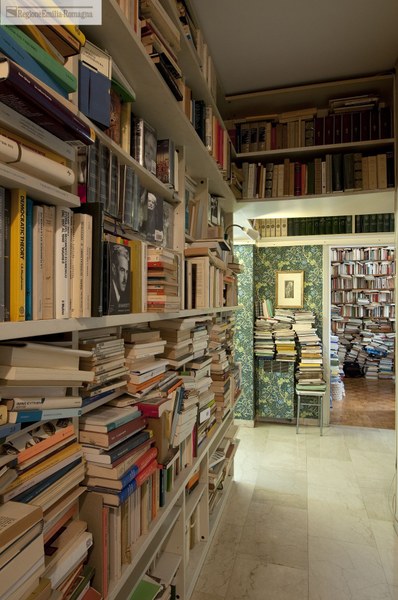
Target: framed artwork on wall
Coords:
[(289, 289)]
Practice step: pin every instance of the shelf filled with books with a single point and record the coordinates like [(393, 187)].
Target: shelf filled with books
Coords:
[(105, 431), (155, 102), (363, 309)]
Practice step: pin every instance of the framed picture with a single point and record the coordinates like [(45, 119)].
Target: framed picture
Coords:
[(289, 291)]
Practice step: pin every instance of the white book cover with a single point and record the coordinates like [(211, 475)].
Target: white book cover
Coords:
[(77, 266), (37, 263), (62, 247)]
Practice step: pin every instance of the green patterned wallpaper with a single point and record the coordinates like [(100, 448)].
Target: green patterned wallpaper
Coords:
[(258, 281), (244, 408)]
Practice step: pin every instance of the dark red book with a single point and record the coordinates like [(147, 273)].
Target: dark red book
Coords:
[(113, 437), (328, 136), (337, 129), (365, 125), (385, 122), (319, 130), (22, 93), (346, 128), (356, 126)]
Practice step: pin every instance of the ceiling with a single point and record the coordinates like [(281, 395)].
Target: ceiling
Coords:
[(262, 45), (259, 45)]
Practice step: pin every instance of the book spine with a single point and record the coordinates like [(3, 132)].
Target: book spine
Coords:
[(17, 255), (35, 103), (2, 253), (37, 262), (62, 242), (48, 262), (96, 211), (29, 261), (62, 76), (146, 472), (30, 416), (18, 54), (7, 250)]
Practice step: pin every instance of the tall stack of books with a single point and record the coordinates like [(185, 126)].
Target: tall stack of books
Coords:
[(107, 363), (220, 368), (163, 280), (336, 370), (309, 374), (197, 382), (264, 346)]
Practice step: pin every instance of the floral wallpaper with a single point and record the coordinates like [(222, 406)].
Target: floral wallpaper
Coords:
[(266, 394), (275, 391), (244, 408), (274, 386)]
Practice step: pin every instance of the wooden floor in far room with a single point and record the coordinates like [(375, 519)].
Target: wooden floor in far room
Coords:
[(366, 404)]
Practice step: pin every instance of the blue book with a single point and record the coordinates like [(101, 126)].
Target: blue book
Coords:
[(28, 260), (118, 496), (8, 429), (122, 449), (14, 51), (40, 487), (94, 95), (30, 416)]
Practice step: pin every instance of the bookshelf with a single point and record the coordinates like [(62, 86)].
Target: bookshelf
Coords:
[(155, 103), (363, 307), (280, 106)]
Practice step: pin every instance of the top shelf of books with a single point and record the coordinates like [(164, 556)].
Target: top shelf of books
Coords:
[(154, 100)]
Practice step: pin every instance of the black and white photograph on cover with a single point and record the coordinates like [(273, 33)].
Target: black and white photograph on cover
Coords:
[(150, 148), (289, 289), (154, 234), (119, 279)]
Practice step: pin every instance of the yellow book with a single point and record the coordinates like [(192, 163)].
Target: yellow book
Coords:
[(17, 255), (37, 36), (46, 464), (76, 32), (138, 276)]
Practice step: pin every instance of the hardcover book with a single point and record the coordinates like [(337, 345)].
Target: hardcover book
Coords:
[(117, 275)]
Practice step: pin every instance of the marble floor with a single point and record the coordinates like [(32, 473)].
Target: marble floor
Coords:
[(308, 518)]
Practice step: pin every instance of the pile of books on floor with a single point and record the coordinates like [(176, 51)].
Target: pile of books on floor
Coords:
[(309, 374), (336, 370), (162, 280)]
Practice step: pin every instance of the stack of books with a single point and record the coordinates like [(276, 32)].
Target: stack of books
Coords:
[(309, 374), (106, 363), (197, 382), (220, 368), (163, 280), (336, 370), (264, 345)]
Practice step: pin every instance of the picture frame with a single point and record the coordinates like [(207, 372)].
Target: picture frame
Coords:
[(289, 289)]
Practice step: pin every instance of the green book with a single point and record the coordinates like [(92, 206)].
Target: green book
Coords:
[(57, 71), (322, 225), (380, 222), (365, 223), (348, 224), (146, 590)]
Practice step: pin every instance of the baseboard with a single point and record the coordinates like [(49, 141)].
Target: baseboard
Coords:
[(243, 423)]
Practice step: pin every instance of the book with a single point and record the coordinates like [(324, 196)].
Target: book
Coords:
[(61, 39), (19, 353), (62, 246), (16, 519), (107, 418), (17, 255), (123, 480), (27, 375), (37, 262), (117, 287), (35, 103), (56, 70), (115, 436), (48, 262)]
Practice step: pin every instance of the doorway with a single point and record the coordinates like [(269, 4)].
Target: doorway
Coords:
[(363, 336)]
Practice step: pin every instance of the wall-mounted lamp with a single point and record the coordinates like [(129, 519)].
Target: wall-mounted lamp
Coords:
[(252, 233)]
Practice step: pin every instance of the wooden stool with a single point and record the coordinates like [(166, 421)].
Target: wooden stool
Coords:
[(317, 402)]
